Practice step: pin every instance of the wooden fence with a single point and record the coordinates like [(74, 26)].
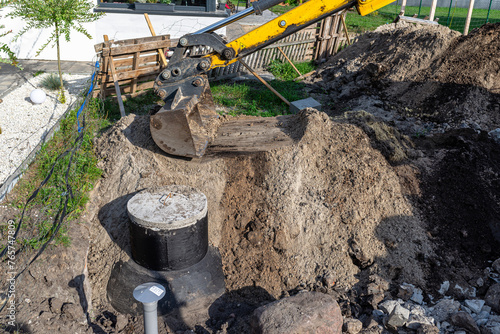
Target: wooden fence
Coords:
[(137, 61)]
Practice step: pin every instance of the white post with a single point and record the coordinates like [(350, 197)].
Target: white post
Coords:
[(403, 6), (433, 10), (469, 15)]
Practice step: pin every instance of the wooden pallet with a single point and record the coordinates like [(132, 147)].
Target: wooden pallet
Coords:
[(137, 63)]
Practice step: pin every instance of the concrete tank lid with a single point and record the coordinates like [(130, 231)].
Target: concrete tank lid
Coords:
[(167, 208)]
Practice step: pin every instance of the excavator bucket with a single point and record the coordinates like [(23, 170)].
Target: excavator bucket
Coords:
[(186, 123)]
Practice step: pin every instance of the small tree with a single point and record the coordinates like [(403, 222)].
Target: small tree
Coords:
[(4, 48), (60, 15)]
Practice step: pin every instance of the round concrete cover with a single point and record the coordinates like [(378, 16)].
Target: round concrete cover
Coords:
[(167, 208)]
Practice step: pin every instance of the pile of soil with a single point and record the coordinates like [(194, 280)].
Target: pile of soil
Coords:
[(418, 72), (329, 205)]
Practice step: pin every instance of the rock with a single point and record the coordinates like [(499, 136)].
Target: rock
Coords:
[(352, 326), (464, 320), (481, 322), (328, 280), (483, 315), (491, 327), (121, 322), (376, 290), (417, 296), (305, 312), (405, 291), (444, 287), (55, 305), (442, 310), (462, 291), (72, 311), (377, 314), (495, 135), (492, 297), (418, 320), (398, 317), (475, 305), (496, 263), (427, 329), (388, 305), (486, 308)]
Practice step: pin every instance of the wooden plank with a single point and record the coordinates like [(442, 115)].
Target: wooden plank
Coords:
[(140, 86), (135, 73), (142, 61), (130, 49), (342, 17), (323, 43), (135, 66), (99, 47), (161, 52), (105, 65), (251, 134), (115, 80), (335, 33)]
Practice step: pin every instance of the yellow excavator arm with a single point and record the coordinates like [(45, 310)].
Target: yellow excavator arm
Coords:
[(181, 126)]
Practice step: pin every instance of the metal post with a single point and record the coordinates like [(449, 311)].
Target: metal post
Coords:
[(489, 9), (449, 11), (149, 294), (419, 8)]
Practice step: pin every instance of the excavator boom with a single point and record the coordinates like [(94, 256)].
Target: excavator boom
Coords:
[(183, 126)]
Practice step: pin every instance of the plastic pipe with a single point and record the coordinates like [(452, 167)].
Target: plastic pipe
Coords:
[(149, 294)]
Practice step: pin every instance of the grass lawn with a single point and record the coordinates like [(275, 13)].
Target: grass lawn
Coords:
[(253, 98)]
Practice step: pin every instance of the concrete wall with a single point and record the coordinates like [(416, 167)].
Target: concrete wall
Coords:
[(478, 4), (116, 26)]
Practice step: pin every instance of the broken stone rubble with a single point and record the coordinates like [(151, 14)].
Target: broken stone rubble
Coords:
[(446, 315)]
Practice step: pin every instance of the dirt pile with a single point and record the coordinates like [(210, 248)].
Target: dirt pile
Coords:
[(423, 73), (328, 205)]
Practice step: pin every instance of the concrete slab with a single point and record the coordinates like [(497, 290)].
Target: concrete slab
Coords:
[(299, 105)]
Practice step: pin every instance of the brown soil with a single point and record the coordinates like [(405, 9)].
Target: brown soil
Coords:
[(384, 194), (413, 73)]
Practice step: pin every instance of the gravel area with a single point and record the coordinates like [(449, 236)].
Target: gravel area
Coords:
[(24, 124)]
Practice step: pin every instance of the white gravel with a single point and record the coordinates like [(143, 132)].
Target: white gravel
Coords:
[(25, 124)]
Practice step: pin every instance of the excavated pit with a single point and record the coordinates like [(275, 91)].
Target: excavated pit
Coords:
[(328, 205)]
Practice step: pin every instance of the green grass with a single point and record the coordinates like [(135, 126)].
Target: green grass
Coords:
[(253, 98), (137, 105), (51, 82), (82, 176), (284, 71)]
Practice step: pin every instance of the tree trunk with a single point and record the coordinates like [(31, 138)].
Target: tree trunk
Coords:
[(62, 98)]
